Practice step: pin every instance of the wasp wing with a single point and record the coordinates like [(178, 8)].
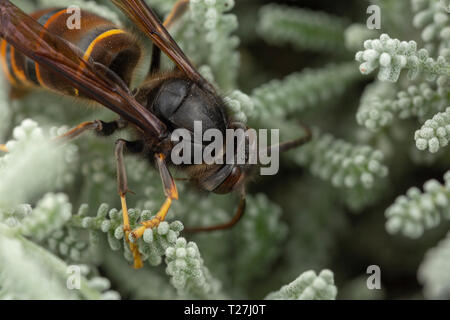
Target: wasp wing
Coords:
[(66, 60), (148, 22)]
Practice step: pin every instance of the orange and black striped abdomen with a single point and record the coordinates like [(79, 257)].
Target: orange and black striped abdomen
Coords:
[(97, 38)]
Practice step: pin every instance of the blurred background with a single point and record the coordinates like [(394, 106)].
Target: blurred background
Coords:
[(327, 207), (346, 241)]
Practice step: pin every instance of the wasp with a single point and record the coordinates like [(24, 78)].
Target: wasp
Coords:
[(96, 62)]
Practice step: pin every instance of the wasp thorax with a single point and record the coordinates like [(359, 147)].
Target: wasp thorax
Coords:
[(179, 102)]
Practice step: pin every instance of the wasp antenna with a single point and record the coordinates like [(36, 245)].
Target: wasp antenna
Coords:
[(239, 213), (288, 145)]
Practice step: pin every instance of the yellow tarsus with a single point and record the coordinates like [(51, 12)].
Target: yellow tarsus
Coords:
[(126, 227), (3, 148), (160, 216)]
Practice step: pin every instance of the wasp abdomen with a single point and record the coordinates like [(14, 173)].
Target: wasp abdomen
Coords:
[(98, 39)]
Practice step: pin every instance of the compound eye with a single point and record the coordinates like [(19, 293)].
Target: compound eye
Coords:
[(233, 180)]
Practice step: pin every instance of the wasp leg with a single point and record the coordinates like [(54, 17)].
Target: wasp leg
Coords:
[(237, 216), (16, 93), (176, 13), (122, 190), (102, 128), (156, 60), (170, 190)]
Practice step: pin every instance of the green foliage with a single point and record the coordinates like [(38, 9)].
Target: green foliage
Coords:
[(212, 26), (391, 56), (50, 214), (59, 204), (29, 142), (434, 133), (5, 112), (381, 104), (431, 17), (423, 96), (28, 271), (343, 164), (433, 271), (308, 286), (356, 34), (375, 108), (417, 211), (304, 29), (187, 271), (302, 90), (259, 236)]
